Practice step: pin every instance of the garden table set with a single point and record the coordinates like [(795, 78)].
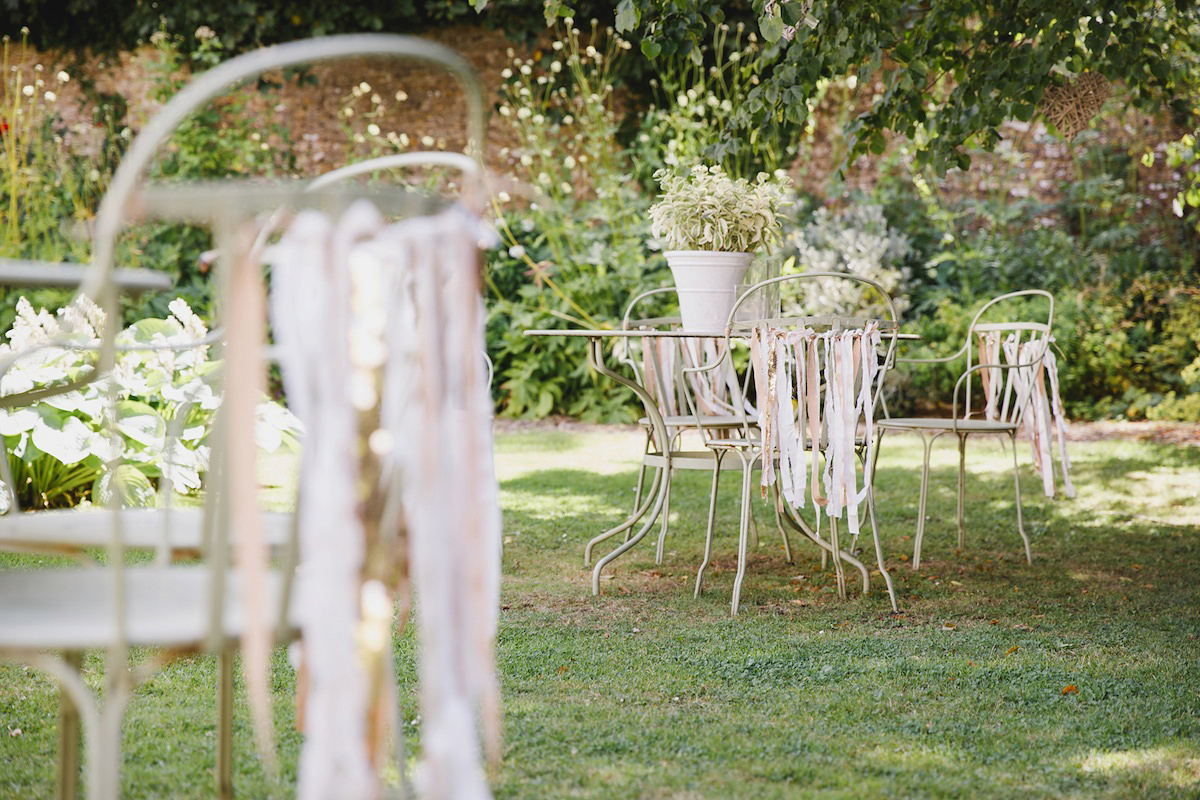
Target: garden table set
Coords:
[(820, 418)]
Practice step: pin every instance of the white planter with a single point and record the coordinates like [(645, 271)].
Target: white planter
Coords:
[(707, 283)]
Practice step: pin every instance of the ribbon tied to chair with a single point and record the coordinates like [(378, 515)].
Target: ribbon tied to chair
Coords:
[(1030, 397), (815, 390)]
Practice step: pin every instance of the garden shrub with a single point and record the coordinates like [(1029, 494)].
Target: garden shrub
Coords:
[(574, 230)]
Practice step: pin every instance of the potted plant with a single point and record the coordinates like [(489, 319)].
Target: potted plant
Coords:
[(712, 225)]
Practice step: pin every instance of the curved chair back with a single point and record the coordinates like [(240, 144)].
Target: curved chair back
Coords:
[(742, 329), (1006, 344)]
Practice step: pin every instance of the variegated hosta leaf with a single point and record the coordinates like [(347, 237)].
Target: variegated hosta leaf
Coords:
[(63, 437), (18, 420), (141, 423), (133, 488)]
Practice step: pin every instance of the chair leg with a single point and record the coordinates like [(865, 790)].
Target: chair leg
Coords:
[(1017, 486), (743, 535), (67, 781), (839, 571), (783, 534), (718, 457), (962, 479), (664, 522), (629, 522), (224, 771), (927, 442), (887, 579)]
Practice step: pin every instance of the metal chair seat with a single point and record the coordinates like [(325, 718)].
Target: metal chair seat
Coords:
[(176, 533), (947, 425), (72, 609)]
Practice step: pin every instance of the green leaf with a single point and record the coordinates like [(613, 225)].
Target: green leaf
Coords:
[(145, 331), (132, 486), (63, 438), (18, 421), (140, 422), (627, 20), (650, 48), (771, 28)]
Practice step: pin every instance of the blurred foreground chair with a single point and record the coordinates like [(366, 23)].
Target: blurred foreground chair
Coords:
[(816, 382), (232, 592), (1000, 388)]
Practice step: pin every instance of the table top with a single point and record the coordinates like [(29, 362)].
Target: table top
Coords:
[(606, 333), (617, 333)]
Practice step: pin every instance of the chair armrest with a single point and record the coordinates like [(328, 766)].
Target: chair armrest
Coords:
[(22, 272)]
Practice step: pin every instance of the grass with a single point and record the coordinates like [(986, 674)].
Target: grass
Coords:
[(645, 692)]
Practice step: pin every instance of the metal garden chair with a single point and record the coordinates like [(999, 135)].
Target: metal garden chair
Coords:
[(657, 365), (49, 617), (1003, 354), (810, 404)]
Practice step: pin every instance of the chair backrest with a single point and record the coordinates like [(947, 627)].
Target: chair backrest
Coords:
[(815, 380), (659, 364), (1005, 348)]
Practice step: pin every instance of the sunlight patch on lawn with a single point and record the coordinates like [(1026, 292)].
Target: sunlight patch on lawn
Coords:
[(1176, 765)]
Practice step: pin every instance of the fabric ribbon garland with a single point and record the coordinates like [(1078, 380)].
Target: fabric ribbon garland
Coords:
[(411, 358), (834, 380), (1031, 397)]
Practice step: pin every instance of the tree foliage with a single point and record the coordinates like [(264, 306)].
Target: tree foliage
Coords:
[(943, 73)]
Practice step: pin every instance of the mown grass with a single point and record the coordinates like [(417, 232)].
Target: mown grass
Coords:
[(645, 692)]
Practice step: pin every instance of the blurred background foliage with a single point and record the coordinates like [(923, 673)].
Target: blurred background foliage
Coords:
[(589, 115)]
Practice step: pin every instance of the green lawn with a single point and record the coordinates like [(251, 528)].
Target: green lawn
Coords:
[(645, 692)]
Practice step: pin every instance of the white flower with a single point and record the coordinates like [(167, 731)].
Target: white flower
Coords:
[(401, 96), (556, 66), (526, 160), (516, 251), (568, 119), (557, 45), (524, 113), (27, 90), (427, 141), (505, 111), (50, 97), (63, 77), (506, 73), (373, 129), (569, 162), (364, 87), (525, 69)]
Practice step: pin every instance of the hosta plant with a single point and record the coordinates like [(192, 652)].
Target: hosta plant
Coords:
[(708, 210), (141, 427)]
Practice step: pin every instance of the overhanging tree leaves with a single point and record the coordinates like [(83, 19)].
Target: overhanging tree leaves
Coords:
[(951, 71)]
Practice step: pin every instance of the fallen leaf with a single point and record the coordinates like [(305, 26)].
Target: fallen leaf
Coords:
[(994, 622), (1070, 688), (955, 583), (563, 669), (949, 626), (1011, 650)]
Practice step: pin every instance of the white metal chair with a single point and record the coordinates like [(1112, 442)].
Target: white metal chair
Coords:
[(1004, 352), (657, 365), (792, 427), (48, 617)]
